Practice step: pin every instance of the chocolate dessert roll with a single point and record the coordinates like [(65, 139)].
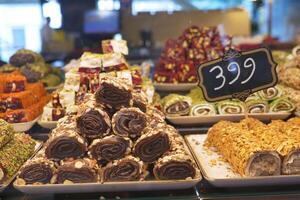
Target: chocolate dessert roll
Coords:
[(37, 171), (154, 116), (114, 93), (110, 148), (152, 145), (93, 123), (77, 171), (66, 144), (126, 169), (175, 166), (129, 122), (140, 100)]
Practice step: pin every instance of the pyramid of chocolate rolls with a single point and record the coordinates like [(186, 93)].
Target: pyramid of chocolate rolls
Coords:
[(111, 140)]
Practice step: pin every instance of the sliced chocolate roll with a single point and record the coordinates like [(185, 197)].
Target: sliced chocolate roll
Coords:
[(152, 145), (126, 169), (93, 123), (114, 93), (154, 116), (68, 144), (37, 171), (77, 171), (140, 100), (129, 122), (175, 166), (110, 148)]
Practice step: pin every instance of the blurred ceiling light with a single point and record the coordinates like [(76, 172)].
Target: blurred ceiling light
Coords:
[(52, 9), (108, 5), (154, 6)]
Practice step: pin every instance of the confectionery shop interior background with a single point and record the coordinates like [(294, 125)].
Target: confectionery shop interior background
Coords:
[(109, 99)]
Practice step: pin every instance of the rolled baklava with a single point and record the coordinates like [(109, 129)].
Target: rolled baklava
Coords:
[(203, 109), (243, 150), (271, 93), (93, 123), (114, 93), (36, 171), (257, 106), (230, 107), (129, 122), (152, 145), (176, 105), (67, 144), (175, 166), (77, 171), (125, 169), (110, 148)]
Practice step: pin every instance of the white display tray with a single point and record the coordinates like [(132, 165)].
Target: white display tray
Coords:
[(220, 174), (47, 124), (110, 186), (172, 87), (24, 126), (199, 120), (7, 182)]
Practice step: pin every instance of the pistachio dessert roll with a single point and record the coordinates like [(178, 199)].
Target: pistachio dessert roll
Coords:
[(77, 171), (257, 106), (93, 123), (114, 93), (68, 144), (271, 93), (175, 166), (230, 107), (176, 105), (14, 154), (282, 105), (129, 122), (125, 169), (243, 150), (39, 170), (110, 148), (6, 132), (203, 109)]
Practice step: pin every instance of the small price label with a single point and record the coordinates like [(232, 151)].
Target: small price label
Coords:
[(237, 74)]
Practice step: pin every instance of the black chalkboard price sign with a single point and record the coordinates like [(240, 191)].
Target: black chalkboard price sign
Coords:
[(237, 74)]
